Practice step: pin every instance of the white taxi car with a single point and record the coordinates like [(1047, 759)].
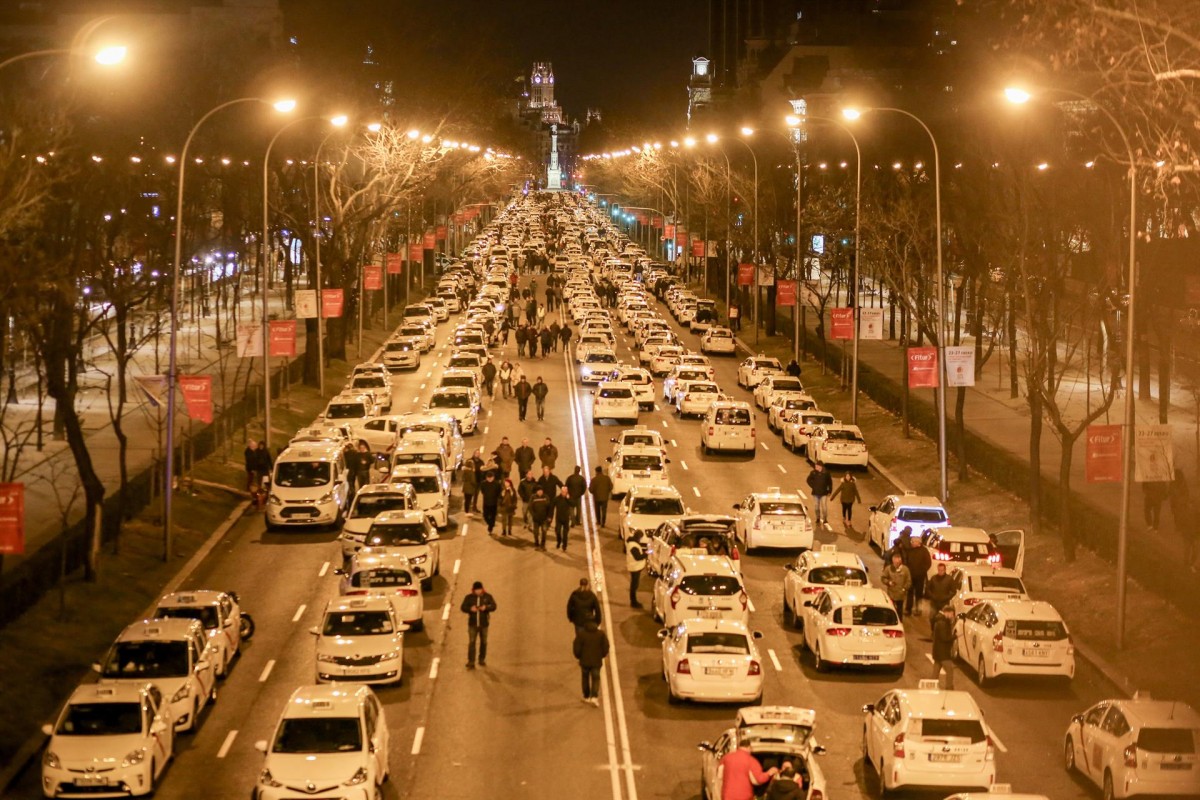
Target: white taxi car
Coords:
[(978, 583), (644, 508), (719, 341), (371, 501), (432, 488), (331, 741), (784, 406), (774, 734), (729, 425), (814, 571), (663, 359), (386, 574), (682, 372), (418, 336), (401, 353), (359, 640), (751, 371), (1139, 746), (640, 435), (899, 511), (614, 400), (999, 791), (640, 381), (701, 586), (460, 403), (928, 737), (838, 444), (1014, 637), (711, 660), (955, 544), (773, 518), (851, 625), (217, 612), (699, 360), (110, 740), (376, 385), (348, 407), (692, 398), (597, 365), (637, 465), (698, 534), (772, 386), (798, 427), (410, 534)]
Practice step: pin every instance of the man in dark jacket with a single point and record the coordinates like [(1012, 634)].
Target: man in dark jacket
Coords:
[(478, 606), (821, 484), (564, 336), (526, 489), (601, 489), (919, 562), (943, 646), (539, 515), (549, 483), (554, 330), (583, 606), (489, 377), (522, 391), (939, 589), (489, 493), (548, 453), (505, 455), (563, 508), (524, 457), (546, 340), (590, 648), (576, 488), (540, 389)]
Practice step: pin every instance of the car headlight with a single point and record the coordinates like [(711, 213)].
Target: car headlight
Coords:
[(325, 498), (392, 656), (357, 778), (266, 779), (134, 757), (275, 500), (326, 658), (417, 559), (184, 692), (50, 760)]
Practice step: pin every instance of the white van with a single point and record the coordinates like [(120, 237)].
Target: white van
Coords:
[(728, 425), (309, 486)]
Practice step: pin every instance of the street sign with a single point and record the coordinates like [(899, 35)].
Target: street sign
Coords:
[(745, 274), (306, 304), (922, 368), (395, 266), (1154, 454), (416, 252), (12, 519)]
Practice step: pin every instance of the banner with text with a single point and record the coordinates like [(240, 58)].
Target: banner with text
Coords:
[(785, 294), (282, 335), (669, 231), (332, 301), (841, 323), (430, 241), (416, 252), (249, 340), (922, 368), (656, 222), (12, 519), (441, 233), (1153, 454), (745, 274), (1103, 460), (306, 303), (372, 278), (395, 265), (197, 396), (960, 365), (766, 275), (698, 248), (870, 323)]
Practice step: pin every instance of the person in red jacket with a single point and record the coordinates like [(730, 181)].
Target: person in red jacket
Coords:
[(741, 772)]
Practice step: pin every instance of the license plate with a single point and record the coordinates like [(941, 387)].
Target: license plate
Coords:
[(361, 670), (865, 657), (1175, 766), (945, 758), (723, 672), (710, 613), (1035, 653), (91, 780)]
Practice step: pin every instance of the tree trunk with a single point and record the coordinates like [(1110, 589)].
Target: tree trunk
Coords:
[(960, 438), (1165, 347), (1035, 459), (1014, 377), (1066, 531)]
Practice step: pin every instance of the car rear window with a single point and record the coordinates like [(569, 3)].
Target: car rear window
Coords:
[(641, 462), (732, 416), (723, 643), (836, 576), (1000, 583), (1035, 630), (867, 615), (778, 507), (969, 729), (616, 394), (921, 515), (965, 551), (723, 585), (657, 506), (1167, 740)]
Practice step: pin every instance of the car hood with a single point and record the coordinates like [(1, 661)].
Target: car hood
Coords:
[(359, 645), (322, 770), (105, 751)]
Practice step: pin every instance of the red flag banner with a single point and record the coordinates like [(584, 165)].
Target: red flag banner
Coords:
[(430, 241), (416, 252), (922, 368), (395, 266), (641, 217), (745, 274), (332, 301), (12, 519), (197, 396), (1104, 453), (441, 233), (785, 293), (282, 336), (656, 222), (841, 323), (681, 241), (372, 278), (698, 248), (669, 231)]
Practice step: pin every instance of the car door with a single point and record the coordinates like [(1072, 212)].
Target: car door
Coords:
[(969, 630), (816, 619), (231, 626), (1105, 749), (878, 729), (160, 728), (203, 666), (1011, 546)]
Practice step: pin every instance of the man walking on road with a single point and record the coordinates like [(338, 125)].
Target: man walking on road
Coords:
[(821, 484), (489, 493), (562, 518), (576, 488), (919, 562), (635, 562), (940, 589), (601, 489), (590, 648), (478, 606), (548, 453), (489, 377), (524, 457), (583, 606), (505, 455), (896, 581), (848, 489), (943, 646), (540, 389), (522, 391), (539, 514)]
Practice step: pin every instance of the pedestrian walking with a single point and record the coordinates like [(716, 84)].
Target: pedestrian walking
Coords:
[(479, 607), (1181, 513), (564, 336), (919, 563), (539, 515), (470, 486), (583, 606), (1154, 493), (601, 489), (848, 489), (793, 368), (741, 771), (939, 589), (522, 391), (524, 456), (943, 646), (540, 390), (520, 337), (526, 489), (821, 484), (554, 331), (635, 562), (507, 507), (562, 518), (505, 375), (549, 483), (362, 465), (548, 453), (489, 492), (489, 377), (253, 479), (263, 464), (576, 488), (590, 649), (896, 581), (505, 455)]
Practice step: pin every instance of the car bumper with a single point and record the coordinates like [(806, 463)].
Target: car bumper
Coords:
[(674, 616), (716, 690), (845, 459), (731, 445), (363, 791), (910, 774), (837, 652), (610, 412), (301, 514), (1182, 783), (383, 672), (77, 782), (1061, 667), (412, 361), (694, 406), (783, 539)]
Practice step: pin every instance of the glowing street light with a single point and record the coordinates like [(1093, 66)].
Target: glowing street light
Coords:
[(1016, 95), (111, 55)]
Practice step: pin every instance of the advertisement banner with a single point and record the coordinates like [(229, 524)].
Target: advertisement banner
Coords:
[(656, 222), (1103, 460), (332, 301), (870, 323), (766, 275), (306, 303), (372, 278), (12, 519), (197, 396), (395, 265), (249, 339), (669, 231), (745, 274), (960, 365), (922, 368), (154, 388), (640, 216), (416, 252), (1153, 454), (841, 323), (430, 241), (441, 233), (698, 248), (282, 336), (681, 242), (785, 293), (712, 248)]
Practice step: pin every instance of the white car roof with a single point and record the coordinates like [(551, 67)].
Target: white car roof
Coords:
[(956, 533), (930, 701), (829, 556), (415, 470), (775, 493), (193, 598), (122, 692), (973, 570), (858, 595), (774, 715), (1026, 609), (1144, 711), (697, 625), (165, 628), (328, 700), (654, 491), (696, 563), (358, 603)]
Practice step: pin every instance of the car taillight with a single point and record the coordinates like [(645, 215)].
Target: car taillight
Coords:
[(893, 634), (938, 555), (838, 631), (407, 592), (735, 555), (755, 668), (357, 592), (994, 558), (970, 601), (743, 598), (991, 749), (712, 431), (753, 432), (816, 794), (998, 642), (674, 597), (898, 746), (812, 590), (683, 667), (1130, 754)]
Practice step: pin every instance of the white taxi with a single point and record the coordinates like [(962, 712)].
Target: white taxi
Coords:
[(663, 359), (432, 489), (111, 740), (387, 574), (785, 406), (928, 737), (851, 625), (711, 660), (640, 435), (774, 734), (1139, 746), (700, 586), (698, 534), (376, 385), (459, 402), (838, 444), (813, 572), (773, 518), (978, 583), (637, 465), (682, 372), (729, 425), (751, 371), (411, 534), (719, 341), (331, 741), (900, 511), (417, 336), (772, 386), (1014, 637), (614, 400), (597, 365), (348, 407), (401, 353), (371, 501), (644, 508), (359, 640), (217, 612), (692, 398), (640, 382)]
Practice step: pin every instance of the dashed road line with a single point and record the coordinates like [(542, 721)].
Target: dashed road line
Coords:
[(696, 491), (774, 660), (418, 737), (422, 386), (228, 743), (764, 446), (457, 565), (266, 673), (462, 531), (749, 604), (664, 423), (445, 612), (674, 443), (433, 668), (782, 468), (299, 613), (683, 464), (416, 398), (324, 570)]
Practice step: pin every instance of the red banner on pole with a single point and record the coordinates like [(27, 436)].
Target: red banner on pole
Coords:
[(922, 368), (785, 293), (332, 301), (282, 338), (841, 323), (12, 519), (416, 252), (641, 217), (681, 241), (669, 231), (197, 396), (430, 241), (372, 278), (745, 274), (1104, 444), (698, 248), (395, 266), (441, 233), (656, 222)]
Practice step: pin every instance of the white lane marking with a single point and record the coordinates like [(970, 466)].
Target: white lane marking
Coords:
[(683, 464), (485, 429), (422, 386), (782, 468), (803, 496), (418, 737), (429, 374), (324, 570), (764, 446), (750, 605), (696, 491), (416, 398), (433, 668), (228, 743), (457, 564), (774, 660), (445, 612), (664, 423), (299, 613), (266, 673), (674, 443), (463, 531), (996, 740)]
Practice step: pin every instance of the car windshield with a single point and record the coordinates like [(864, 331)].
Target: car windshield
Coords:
[(450, 400), (722, 585), (412, 330), (396, 534), (301, 474), (643, 462), (616, 394), (947, 729), (1176, 741), (1050, 630), (459, 380), (720, 335), (921, 515), (370, 382), (795, 402), (318, 735), (715, 642), (732, 416), (786, 385), (600, 358), (369, 506), (152, 658), (818, 419), (381, 577), (691, 374), (767, 363), (345, 411), (409, 457), (397, 347), (867, 615), (780, 507), (423, 484), (999, 583), (965, 551), (206, 614), (657, 506), (702, 388), (100, 719), (357, 623), (840, 435)]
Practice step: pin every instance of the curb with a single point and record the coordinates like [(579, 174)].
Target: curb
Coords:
[(28, 751)]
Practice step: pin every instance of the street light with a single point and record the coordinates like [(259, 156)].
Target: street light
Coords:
[(282, 106), (1019, 96), (853, 114), (336, 122)]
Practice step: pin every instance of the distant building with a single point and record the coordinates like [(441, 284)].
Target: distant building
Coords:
[(538, 112), (700, 98)]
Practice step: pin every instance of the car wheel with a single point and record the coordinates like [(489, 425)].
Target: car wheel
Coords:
[(820, 664), (1108, 793), (426, 584), (1069, 754), (671, 698), (866, 752), (789, 616), (981, 673), (703, 788)]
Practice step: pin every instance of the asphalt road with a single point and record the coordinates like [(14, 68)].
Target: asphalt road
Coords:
[(517, 728)]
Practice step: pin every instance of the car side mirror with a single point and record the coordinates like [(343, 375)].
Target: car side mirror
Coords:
[(706, 746), (614, 441), (48, 729), (314, 630), (663, 633), (757, 634), (96, 666), (873, 508), (808, 603), (403, 626), (261, 745), (1077, 718), (789, 567), (869, 708), (737, 506), (339, 571), (158, 726), (961, 615), (818, 750), (203, 664)]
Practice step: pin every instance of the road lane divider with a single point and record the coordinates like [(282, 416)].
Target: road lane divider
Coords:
[(433, 668), (683, 464), (457, 565), (266, 673), (782, 468), (299, 613), (445, 612), (228, 743), (774, 660), (324, 570), (696, 491), (418, 737)]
